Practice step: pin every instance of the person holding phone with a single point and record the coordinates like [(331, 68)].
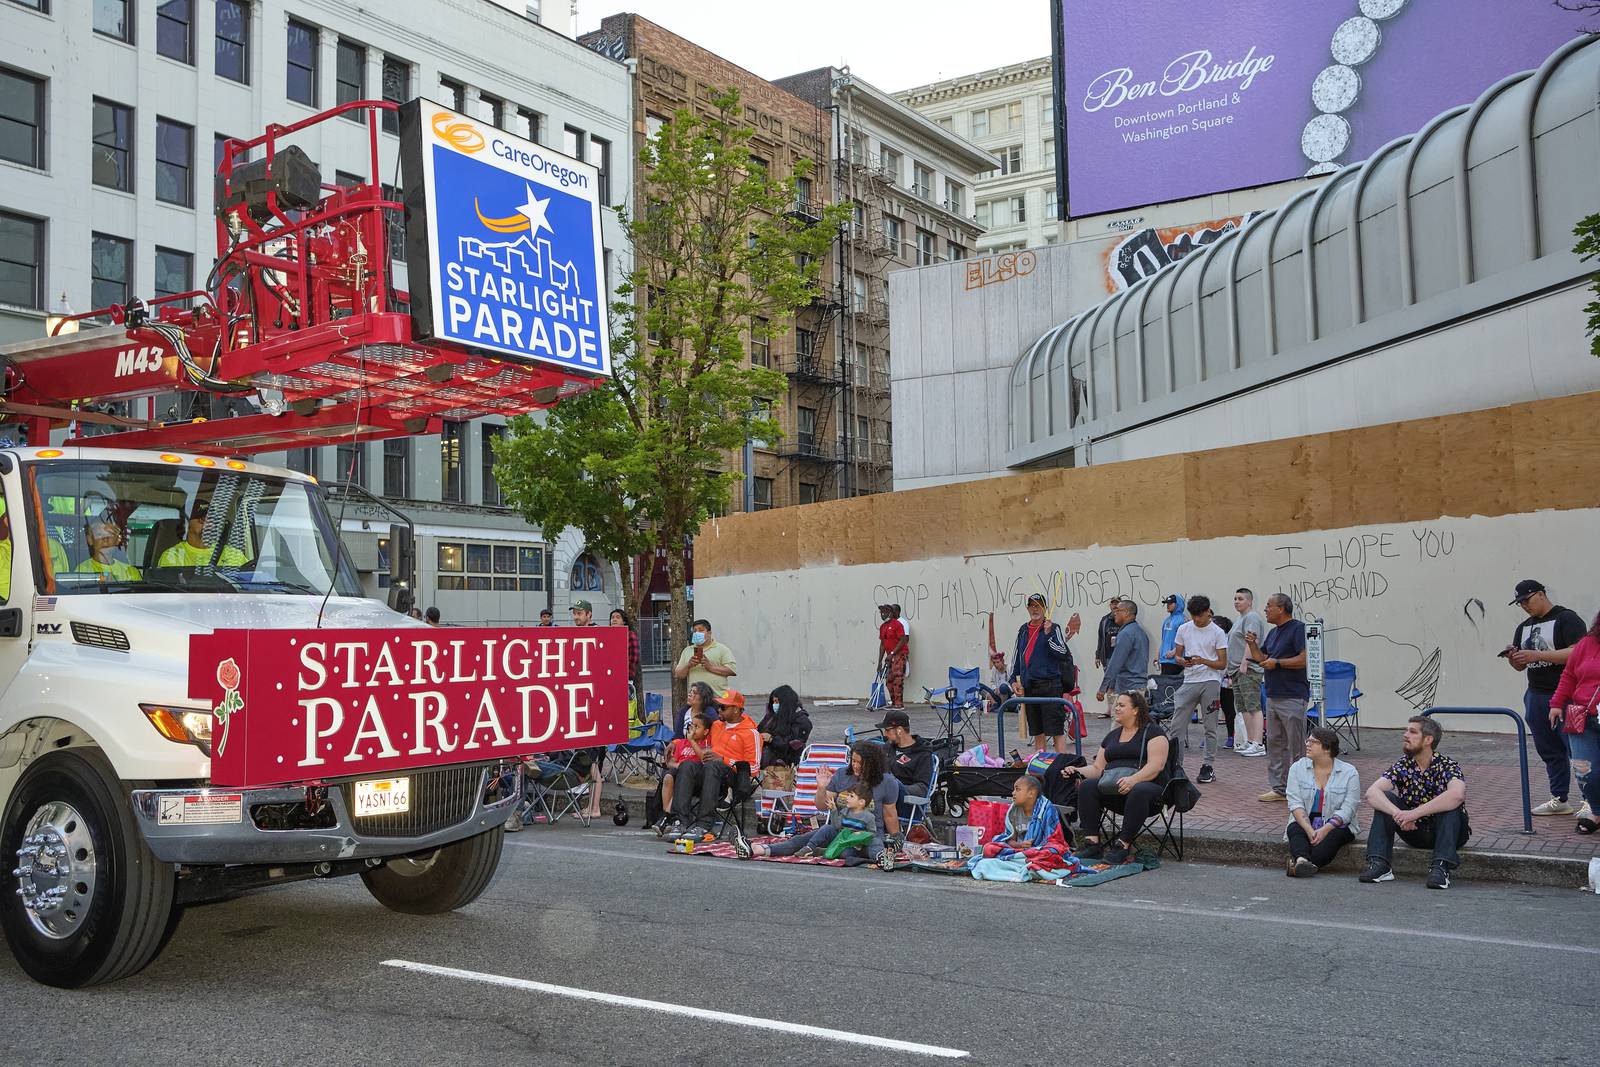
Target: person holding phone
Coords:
[(1539, 649), (1128, 774)]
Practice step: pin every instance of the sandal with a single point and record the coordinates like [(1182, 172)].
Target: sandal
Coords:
[(1587, 826)]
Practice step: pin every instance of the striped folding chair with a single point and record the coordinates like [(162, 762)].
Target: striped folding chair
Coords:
[(782, 807)]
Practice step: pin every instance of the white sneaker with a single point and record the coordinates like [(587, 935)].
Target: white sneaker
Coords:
[(1584, 812), (1553, 806), (1254, 749)]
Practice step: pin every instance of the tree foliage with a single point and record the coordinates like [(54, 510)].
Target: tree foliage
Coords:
[(718, 259), (1588, 247)]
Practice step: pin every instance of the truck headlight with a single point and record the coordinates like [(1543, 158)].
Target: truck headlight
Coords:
[(187, 726)]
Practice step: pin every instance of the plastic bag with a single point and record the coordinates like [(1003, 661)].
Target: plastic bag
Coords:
[(989, 817)]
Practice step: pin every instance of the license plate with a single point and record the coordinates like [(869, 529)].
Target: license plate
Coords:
[(383, 796)]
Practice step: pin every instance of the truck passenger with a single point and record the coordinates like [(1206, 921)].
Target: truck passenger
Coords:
[(105, 538), (193, 551)]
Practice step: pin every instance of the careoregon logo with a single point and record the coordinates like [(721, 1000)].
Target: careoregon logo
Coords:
[(457, 134)]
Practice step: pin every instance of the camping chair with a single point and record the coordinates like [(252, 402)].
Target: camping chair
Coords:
[(1160, 691), (733, 808), (1165, 825), (642, 755), (779, 807), (921, 805), (960, 705), (1339, 710), (553, 787)]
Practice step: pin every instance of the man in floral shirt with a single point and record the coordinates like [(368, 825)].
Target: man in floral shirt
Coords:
[(1423, 798)]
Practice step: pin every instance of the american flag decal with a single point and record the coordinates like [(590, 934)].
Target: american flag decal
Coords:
[(44, 603)]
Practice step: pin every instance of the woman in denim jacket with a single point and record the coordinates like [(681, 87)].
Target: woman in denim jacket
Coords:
[(1324, 793)]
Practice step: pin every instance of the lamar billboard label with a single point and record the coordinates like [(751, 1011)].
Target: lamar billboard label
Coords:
[(1164, 100), (302, 705), (503, 247)]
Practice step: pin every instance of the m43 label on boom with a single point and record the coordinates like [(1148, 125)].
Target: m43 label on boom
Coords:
[(139, 360)]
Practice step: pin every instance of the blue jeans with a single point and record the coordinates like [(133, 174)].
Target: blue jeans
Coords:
[(1585, 749), (1548, 741)]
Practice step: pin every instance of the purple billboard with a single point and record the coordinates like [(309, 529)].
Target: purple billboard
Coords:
[(1167, 99)]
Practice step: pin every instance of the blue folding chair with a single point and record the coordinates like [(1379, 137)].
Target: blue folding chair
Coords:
[(960, 704), (920, 805), (642, 754), (1339, 710)]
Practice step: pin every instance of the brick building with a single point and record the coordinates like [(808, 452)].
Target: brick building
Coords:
[(673, 73)]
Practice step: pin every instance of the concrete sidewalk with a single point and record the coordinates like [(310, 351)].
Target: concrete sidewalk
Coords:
[(1231, 825)]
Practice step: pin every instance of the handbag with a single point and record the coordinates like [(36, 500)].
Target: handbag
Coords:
[(1576, 719), (1112, 775)]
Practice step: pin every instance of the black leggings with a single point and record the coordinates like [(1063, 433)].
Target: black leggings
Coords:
[(1323, 852), (1227, 708), (1136, 806)]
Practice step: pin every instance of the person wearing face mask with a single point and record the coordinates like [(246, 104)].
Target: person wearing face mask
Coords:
[(784, 729), (705, 659)]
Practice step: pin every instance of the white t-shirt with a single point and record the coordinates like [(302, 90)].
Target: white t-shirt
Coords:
[(1206, 643), (905, 625)]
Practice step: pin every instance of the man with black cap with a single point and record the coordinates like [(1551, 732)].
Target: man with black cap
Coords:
[(892, 645), (910, 757), (1041, 666), (1540, 647), (193, 551)]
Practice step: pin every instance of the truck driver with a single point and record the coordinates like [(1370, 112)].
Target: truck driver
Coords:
[(193, 551)]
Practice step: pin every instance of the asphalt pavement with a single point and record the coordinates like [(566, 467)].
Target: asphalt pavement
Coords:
[(597, 946)]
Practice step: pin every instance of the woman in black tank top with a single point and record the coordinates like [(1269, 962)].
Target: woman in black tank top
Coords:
[(1128, 775)]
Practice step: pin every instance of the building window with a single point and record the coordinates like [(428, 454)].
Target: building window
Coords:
[(763, 494), (1047, 112), (530, 568), (893, 233), (111, 18), (530, 124), (760, 344), (535, 10), (492, 496), (1049, 204), (113, 146), (110, 270), (396, 90), (1010, 159), (350, 462), (586, 575), (808, 493), (452, 443), (955, 197), (922, 181), (858, 368), (957, 251), (454, 93), (345, 180), (394, 223), (397, 467), (350, 76), (980, 123), (302, 70), (21, 118), (600, 156), (303, 460), (233, 40), (1019, 209), (806, 427), (175, 30), (948, 122), (174, 273), (926, 247), (889, 163), (572, 141), (21, 260), (858, 293), (174, 162), (492, 111)]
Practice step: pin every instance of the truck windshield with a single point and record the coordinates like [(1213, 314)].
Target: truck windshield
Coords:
[(115, 527)]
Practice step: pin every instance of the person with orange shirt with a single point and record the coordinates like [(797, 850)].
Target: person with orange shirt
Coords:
[(734, 750)]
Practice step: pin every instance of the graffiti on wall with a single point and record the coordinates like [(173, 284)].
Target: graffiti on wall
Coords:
[(992, 270), (1142, 253)]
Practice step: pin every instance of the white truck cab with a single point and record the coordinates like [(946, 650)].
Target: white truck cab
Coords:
[(111, 559)]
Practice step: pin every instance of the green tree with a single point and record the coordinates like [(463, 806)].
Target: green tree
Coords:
[(718, 258), (1588, 247)]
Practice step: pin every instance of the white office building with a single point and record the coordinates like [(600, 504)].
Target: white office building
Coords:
[(111, 115)]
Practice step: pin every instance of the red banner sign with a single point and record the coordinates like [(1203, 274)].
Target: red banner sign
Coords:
[(303, 705)]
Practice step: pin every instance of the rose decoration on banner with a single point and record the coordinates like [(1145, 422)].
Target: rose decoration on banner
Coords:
[(232, 702)]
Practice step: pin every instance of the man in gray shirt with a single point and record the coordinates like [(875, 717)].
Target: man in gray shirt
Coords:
[(1245, 674), (1128, 667)]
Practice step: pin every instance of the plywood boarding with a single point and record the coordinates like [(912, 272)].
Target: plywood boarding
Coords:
[(1522, 458)]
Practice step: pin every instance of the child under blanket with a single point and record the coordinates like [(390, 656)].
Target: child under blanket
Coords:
[(1033, 846)]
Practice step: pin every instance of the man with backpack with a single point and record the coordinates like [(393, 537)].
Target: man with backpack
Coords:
[(1041, 666)]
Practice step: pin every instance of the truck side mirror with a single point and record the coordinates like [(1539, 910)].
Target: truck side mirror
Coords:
[(402, 566)]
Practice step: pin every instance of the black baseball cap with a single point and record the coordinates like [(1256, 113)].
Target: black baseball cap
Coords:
[(895, 718), (1169, 599), (1526, 588)]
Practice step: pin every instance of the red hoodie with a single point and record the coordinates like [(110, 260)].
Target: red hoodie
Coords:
[(1581, 677)]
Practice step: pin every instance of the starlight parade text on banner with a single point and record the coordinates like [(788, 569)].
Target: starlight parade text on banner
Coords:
[(503, 242), (305, 705)]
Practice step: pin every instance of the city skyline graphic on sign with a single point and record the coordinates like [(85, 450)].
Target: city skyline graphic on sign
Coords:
[(529, 255)]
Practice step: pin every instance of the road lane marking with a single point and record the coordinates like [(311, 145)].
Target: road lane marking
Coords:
[(703, 1014), (930, 885)]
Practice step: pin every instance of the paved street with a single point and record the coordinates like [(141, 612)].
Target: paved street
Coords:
[(1271, 969)]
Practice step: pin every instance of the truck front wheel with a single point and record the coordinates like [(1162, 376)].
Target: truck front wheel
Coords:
[(445, 879), (86, 901)]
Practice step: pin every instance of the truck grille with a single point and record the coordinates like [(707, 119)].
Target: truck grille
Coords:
[(86, 633), (440, 799)]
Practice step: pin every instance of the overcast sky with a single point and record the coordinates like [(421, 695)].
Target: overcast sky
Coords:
[(894, 44)]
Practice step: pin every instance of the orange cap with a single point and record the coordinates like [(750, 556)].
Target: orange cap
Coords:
[(731, 698)]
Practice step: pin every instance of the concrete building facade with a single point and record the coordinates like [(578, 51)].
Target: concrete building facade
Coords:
[(114, 114), (909, 185)]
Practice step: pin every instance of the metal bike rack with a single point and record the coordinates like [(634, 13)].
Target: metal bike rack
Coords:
[(1522, 751), (1000, 719)]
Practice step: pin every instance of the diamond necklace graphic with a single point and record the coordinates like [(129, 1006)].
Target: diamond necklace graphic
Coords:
[(1335, 90)]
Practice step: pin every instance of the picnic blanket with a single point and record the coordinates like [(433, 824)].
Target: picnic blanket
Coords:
[(724, 850), (1098, 872)]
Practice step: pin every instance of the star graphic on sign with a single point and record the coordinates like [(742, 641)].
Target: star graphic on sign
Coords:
[(535, 209)]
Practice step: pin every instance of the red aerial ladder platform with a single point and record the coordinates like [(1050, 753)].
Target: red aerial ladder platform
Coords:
[(300, 314)]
